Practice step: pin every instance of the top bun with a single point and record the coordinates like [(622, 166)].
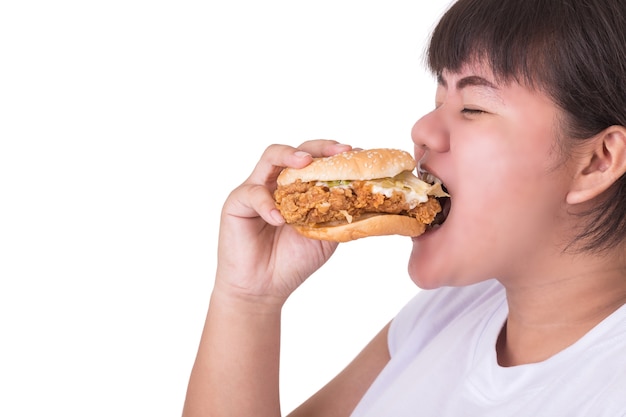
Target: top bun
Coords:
[(352, 165)]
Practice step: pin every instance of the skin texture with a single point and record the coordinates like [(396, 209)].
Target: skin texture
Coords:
[(514, 204), (500, 165), (513, 212)]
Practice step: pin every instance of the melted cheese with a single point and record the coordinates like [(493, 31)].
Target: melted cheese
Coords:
[(412, 196), (415, 190)]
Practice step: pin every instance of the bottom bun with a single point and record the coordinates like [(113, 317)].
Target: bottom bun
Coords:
[(377, 225)]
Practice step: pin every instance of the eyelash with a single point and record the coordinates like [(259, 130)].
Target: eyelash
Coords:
[(471, 111)]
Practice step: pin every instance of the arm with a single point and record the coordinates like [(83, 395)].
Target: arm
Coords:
[(236, 369), (260, 263)]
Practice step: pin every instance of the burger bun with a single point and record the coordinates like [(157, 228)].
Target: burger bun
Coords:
[(352, 165), (373, 225)]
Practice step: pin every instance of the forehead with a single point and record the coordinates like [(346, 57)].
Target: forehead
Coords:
[(506, 97), (477, 79), (471, 74)]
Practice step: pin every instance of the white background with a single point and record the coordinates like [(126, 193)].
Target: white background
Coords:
[(123, 126)]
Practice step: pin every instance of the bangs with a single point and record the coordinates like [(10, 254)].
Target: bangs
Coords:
[(574, 51), (512, 38)]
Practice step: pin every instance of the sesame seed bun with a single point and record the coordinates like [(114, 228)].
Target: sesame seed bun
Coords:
[(352, 165), (309, 204)]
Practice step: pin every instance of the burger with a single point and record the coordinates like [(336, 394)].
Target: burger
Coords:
[(360, 193)]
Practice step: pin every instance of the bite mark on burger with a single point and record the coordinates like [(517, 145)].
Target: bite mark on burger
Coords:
[(357, 194)]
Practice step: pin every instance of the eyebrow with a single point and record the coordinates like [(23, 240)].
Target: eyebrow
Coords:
[(471, 81)]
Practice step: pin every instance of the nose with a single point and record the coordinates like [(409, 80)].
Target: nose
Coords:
[(430, 133)]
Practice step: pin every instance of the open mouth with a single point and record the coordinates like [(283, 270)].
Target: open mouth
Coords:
[(445, 202), (441, 217)]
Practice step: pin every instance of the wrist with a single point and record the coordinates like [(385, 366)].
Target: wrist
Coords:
[(245, 302)]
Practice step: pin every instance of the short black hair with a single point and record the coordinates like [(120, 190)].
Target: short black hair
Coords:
[(573, 50)]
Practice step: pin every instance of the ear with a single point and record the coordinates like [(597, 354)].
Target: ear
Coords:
[(603, 163)]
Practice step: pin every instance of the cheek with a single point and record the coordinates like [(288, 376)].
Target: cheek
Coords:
[(503, 190), (509, 159)]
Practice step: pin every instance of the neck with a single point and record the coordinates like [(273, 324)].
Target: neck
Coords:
[(546, 317)]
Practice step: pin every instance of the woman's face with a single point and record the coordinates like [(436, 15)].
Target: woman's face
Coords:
[(495, 149)]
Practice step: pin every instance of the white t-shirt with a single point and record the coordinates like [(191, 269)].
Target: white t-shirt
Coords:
[(443, 363)]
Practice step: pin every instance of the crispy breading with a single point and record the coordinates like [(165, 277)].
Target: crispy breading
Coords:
[(307, 203)]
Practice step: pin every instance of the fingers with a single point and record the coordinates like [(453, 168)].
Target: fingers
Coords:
[(256, 200), (323, 147), (277, 157), (254, 196)]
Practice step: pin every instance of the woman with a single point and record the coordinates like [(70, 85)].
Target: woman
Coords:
[(523, 312)]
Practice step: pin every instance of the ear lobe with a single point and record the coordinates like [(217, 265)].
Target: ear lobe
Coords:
[(602, 165)]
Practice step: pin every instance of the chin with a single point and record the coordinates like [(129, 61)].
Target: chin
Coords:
[(430, 266), (424, 270), (436, 269)]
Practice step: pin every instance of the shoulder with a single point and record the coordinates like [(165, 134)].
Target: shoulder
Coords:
[(605, 362), (432, 310)]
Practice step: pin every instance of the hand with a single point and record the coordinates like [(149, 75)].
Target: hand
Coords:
[(259, 257)]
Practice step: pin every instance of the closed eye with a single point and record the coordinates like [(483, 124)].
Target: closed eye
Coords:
[(472, 111)]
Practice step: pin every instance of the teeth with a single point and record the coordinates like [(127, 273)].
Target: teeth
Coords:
[(428, 177)]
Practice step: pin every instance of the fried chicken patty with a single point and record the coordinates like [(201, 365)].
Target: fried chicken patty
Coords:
[(309, 203)]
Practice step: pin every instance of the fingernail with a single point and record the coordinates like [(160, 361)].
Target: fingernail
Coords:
[(277, 217), (302, 154)]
